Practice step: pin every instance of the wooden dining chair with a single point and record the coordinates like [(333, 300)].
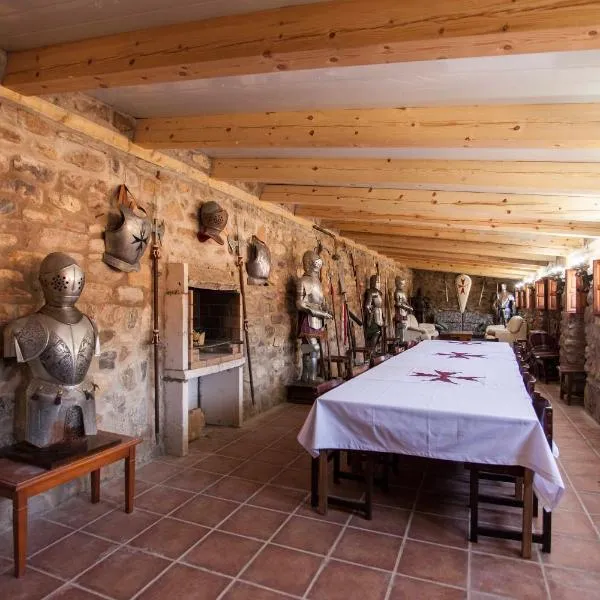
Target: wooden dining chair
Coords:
[(543, 409)]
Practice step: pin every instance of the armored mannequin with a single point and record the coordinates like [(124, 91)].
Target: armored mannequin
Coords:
[(401, 309), (504, 305), (312, 313), (58, 343), (125, 244), (373, 312)]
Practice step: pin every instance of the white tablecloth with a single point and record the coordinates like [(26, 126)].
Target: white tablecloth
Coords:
[(449, 400)]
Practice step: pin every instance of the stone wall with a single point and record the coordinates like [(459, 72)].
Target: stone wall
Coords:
[(57, 190), (592, 360)]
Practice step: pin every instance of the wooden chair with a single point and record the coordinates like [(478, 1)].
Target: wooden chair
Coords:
[(543, 354), (377, 360), (543, 409)]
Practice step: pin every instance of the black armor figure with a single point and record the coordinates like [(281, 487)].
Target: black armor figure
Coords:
[(58, 343)]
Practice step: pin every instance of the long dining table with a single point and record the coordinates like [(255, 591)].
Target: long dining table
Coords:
[(451, 400)]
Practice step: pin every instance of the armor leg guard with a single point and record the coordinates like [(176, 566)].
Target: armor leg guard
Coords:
[(310, 365)]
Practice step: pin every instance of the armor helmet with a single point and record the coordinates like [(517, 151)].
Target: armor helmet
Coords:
[(311, 261), (62, 279), (213, 220), (400, 282), (375, 281), (259, 263)]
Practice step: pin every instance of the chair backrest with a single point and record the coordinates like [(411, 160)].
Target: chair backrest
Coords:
[(541, 340), (529, 381), (543, 410), (514, 324), (377, 360), (412, 321)]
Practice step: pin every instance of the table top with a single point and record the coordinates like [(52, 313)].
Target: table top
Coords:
[(453, 400), (15, 474)]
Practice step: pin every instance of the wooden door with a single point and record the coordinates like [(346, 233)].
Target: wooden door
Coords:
[(552, 294), (574, 293), (540, 294)]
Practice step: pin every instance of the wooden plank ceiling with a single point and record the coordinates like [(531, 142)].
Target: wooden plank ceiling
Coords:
[(392, 176)]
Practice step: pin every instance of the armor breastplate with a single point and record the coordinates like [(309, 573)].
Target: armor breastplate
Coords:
[(312, 292), (125, 245), (375, 304), (56, 352), (259, 265)]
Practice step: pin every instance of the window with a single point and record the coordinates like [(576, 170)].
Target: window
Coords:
[(540, 294), (574, 292)]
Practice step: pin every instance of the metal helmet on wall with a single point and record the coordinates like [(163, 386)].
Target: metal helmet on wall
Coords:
[(259, 262), (213, 219)]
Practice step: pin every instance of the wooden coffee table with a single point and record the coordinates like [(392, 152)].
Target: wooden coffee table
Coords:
[(20, 481), (460, 336)]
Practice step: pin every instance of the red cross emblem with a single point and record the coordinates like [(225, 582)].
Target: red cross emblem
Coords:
[(446, 376), (464, 355), (462, 286)]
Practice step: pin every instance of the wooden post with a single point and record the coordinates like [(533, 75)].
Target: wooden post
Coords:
[(527, 514), (323, 481), (129, 480), (95, 483)]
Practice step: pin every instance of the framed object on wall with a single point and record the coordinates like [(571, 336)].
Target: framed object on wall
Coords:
[(596, 286), (575, 295), (540, 294), (552, 294), (529, 297)]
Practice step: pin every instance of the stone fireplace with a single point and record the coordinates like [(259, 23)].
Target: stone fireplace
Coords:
[(203, 370)]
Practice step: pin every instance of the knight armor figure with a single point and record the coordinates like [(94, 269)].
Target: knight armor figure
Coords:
[(312, 313), (259, 263), (58, 343), (504, 305), (373, 312), (126, 243), (401, 309)]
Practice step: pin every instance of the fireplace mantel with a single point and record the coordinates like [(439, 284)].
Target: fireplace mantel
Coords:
[(187, 374)]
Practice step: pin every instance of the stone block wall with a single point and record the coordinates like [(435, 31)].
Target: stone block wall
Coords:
[(57, 190), (592, 360)]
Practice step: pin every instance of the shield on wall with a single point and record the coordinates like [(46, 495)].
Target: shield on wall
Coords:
[(463, 287)]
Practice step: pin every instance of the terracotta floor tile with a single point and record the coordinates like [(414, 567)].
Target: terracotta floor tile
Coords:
[(569, 501), (204, 445), (308, 534), (219, 464), (206, 510), (73, 593), (241, 449), (333, 515), (185, 583), (396, 497), (156, 472), (162, 499), (120, 526), (515, 578), (169, 538), (33, 586), (456, 505), (254, 522), (192, 480), (257, 471), (405, 588), (278, 498), (114, 491), (340, 581), (232, 488), (78, 511), (385, 520), (573, 524), (40, 533), (441, 530), (184, 462), (586, 483), (288, 445), (82, 551), (276, 457), (247, 591), (5, 564), (223, 552), (294, 478), (123, 573), (293, 570), (569, 584), (304, 461), (574, 552), (591, 502), (436, 563), (489, 545), (368, 548)]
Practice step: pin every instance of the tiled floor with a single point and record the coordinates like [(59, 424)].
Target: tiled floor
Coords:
[(231, 522)]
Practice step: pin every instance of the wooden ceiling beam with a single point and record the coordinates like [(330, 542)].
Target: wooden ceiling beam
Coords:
[(462, 247), (554, 244), (438, 203), (494, 126), (312, 36), (505, 176), (469, 269)]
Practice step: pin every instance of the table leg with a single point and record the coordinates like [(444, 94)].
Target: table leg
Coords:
[(569, 386), (562, 385), (527, 514), (19, 533), (314, 482), (95, 483), (129, 480), (323, 481)]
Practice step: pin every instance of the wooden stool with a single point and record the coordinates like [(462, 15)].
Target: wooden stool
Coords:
[(568, 377)]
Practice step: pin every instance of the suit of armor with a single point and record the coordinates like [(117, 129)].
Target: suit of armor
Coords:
[(58, 343), (504, 305), (312, 313), (402, 309), (373, 312)]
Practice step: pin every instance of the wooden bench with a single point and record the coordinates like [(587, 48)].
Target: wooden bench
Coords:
[(20, 481)]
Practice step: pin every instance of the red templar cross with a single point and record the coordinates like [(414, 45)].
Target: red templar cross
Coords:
[(465, 343), (464, 355), (446, 376)]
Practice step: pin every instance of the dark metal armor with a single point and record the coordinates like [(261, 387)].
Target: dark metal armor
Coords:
[(259, 263), (58, 343), (125, 244)]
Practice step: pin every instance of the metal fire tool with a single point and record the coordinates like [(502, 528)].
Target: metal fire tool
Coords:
[(158, 229)]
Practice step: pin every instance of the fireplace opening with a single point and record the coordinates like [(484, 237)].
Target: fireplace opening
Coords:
[(216, 323)]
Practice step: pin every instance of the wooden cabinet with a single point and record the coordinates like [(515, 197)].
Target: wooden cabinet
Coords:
[(575, 295), (596, 286), (529, 297), (540, 294), (553, 298)]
